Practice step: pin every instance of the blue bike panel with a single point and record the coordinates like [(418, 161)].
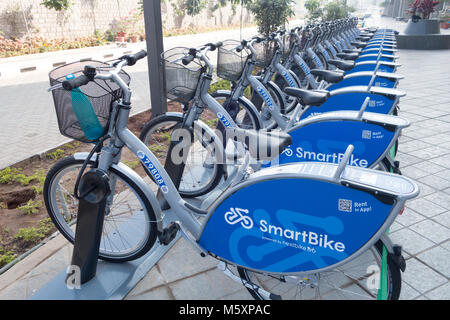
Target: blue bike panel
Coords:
[(376, 52), (327, 141), (361, 59), (352, 101), (302, 230), (363, 81), (371, 67)]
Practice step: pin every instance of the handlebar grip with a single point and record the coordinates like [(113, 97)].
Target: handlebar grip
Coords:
[(75, 82), (187, 59), (133, 58), (240, 48)]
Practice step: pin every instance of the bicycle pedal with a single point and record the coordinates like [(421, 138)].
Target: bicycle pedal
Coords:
[(169, 233)]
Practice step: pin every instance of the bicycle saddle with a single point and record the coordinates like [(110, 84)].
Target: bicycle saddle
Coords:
[(330, 76), (348, 56), (352, 51), (308, 97), (261, 144), (342, 64), (359, 44)]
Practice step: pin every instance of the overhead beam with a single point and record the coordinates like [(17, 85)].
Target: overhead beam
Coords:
[(155, 46)]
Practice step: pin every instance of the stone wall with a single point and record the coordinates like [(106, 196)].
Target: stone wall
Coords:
[(85, 16)]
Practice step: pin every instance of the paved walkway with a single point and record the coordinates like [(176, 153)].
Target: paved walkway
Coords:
[(423, 229)]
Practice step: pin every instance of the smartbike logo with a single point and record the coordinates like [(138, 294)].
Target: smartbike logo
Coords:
[(324, 157), (236, 215)]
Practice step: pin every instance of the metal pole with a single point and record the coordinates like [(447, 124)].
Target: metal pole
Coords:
[(155, 46)]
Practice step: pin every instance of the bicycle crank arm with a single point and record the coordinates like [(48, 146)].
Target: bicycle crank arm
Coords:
[(267, 295)]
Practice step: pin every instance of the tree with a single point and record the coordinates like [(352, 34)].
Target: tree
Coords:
[(315, 10), (337, 9), (270, 15)]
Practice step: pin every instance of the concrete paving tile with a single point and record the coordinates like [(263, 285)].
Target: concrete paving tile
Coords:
[(425, 207), (432, 230), (396, 226), (429, 167), (440, 198), (161, 293), (443, 219), (242, 294), (182, 261), (436, 182), (413, 172), (444, 174), (440, 293), (438, 258), (209, 285), (443, 161), (407, 292), (409, 217), (430, 152), (411, 242), (420, 277), (151, 280)]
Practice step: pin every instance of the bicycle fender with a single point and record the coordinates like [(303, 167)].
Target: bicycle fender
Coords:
[(301, 232), (127, 171)]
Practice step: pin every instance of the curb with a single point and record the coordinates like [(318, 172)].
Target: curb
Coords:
[(14, 66)]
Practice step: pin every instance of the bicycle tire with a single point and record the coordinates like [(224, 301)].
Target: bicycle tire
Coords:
[(148, 241), (244, 104), (217, 171), (394, 277)]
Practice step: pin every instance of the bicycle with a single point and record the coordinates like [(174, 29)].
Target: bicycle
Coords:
[(301, 244)]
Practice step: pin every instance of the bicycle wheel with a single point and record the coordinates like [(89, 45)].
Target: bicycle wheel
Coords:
[(202, 171), (246, 118), (355, 280), (129, 229)]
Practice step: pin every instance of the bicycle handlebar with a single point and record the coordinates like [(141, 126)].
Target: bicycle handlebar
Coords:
[(89, 72)]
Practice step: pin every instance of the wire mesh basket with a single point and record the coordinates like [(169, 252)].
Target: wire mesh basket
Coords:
[(97, 96), (264, 53), (230, 63), (181, 80)]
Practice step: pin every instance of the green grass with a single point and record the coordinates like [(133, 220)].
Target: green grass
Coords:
[(34, 235), (55, 155), (6, 256), (132, 164), (14, 175), (31, 207)]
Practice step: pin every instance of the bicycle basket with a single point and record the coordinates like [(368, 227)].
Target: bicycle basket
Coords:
[(97, 94), (230, 63), (264, 53), (181, 80)]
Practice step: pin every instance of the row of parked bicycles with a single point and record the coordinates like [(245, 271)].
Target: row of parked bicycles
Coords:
[(288, 179)]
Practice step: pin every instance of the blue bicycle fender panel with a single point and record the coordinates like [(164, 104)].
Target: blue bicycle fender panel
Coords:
[(327, 141), (302, 230), (352, 101), (363, 81), (373, 59), (376, 52), (371, 67)]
